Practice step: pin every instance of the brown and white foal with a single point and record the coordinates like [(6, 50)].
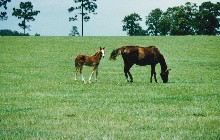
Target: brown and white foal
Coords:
[(92, 61)]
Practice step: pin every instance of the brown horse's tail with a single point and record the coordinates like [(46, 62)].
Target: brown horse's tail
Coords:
[(116, 53)]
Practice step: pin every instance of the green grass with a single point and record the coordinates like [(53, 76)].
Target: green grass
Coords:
[(39, 98)]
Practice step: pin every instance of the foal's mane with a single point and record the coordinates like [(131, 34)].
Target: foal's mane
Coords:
[(98, 54)]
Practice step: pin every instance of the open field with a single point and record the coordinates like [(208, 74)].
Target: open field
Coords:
[(39, 98)]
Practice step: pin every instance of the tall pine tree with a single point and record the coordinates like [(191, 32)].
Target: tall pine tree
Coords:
[(26, 13), (85, 7)]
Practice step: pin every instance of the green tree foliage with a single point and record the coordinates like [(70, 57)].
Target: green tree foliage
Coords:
[(191, 11), (26, 13), (209, 18), (7, 32), (74, 31), (132, 26), (178, 20), (85, 7), (164, 24), (3, 14), (154, 21), (183, 19), (188, 19)]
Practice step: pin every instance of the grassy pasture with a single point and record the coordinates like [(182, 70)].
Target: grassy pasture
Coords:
[(39, 98)]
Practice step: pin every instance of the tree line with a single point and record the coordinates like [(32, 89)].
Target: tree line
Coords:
[(188, 19), (26, 13)]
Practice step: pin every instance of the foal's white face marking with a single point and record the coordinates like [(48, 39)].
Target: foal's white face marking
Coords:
[(103, 53)]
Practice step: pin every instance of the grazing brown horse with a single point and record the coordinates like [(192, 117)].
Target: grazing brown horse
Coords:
[(142, 56), (92, 61)]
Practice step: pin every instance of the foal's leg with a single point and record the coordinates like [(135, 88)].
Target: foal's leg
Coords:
[(82, 74), (126, 73), (77, 69), (96, 74), (153, 73), (93, 71)]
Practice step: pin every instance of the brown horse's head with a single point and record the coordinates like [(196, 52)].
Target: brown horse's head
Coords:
[(113, 55), (164, 75)]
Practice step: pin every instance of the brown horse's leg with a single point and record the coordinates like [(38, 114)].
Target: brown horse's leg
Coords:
[(127, 72), (130, 76), (153, 73)]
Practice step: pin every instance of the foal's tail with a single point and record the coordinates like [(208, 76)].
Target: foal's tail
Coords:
[(79, 60), (76, 63)]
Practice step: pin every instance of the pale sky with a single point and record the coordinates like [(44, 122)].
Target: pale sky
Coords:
[(53, 19)]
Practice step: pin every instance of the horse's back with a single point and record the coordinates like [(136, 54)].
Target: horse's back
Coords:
[(128, 49), (86, 60), (142, 55), (80, 57), (138, 49)]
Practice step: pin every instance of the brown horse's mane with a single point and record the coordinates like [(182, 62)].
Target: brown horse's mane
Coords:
[(162, 62)]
